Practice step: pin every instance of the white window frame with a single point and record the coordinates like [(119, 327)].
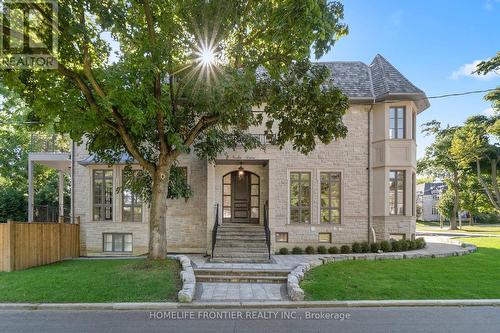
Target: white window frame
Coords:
[(113, 204), (311, 196)]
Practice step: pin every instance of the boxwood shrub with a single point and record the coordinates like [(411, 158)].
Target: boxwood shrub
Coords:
[(396, 246), (356, 247), (374, 247), (365, 247), (420, 242), (333, 250), (385, 246), (321, 249), (404, 244), (297, 250), (345, 249), (283, 250), (412, 245), (309, 249)]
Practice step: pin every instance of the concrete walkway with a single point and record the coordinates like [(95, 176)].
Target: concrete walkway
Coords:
[(237, 292)]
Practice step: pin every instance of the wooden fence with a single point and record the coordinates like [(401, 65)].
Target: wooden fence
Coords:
[(24, 245)]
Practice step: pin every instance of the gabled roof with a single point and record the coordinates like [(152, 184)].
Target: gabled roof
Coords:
[(378, 81), (429, 188)]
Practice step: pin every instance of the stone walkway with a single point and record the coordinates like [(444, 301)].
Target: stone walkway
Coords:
[(220, 291)]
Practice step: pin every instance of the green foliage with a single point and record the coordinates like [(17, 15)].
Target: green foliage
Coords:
[(420, 242), (309, 250), (321, 249), (283, 251), (297, 250), (365, 247), (404, 244), (375, 247), (356, 247), (345, 249), (333, 250), (385, 246), (445, 204), (412, 245), (396, 246), (484, 68)]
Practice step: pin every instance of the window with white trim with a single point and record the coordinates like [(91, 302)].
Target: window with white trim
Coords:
[(300, 197), (397, 192), (102, 187), (397, 123), (330, 197), (131, 205)]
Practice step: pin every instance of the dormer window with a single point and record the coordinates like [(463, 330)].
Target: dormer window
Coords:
[(397, 123)]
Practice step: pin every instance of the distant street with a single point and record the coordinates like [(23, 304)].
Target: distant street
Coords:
[(405, 319)]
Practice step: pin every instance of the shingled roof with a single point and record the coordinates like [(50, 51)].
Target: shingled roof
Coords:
[(378, 81)]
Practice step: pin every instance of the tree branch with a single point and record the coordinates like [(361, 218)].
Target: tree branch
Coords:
[(202, 124), (160, 119), (485, 186)]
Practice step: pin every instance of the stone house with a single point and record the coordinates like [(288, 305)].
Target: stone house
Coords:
[(428, 195), (355, 189)]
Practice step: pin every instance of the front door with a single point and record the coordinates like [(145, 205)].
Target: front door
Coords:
[(241, 197), (241, 193)]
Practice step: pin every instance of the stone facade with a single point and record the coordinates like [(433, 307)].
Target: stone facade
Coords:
[(190, 223)]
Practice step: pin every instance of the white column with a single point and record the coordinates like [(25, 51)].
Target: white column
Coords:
[(30, 190), (61, 193)]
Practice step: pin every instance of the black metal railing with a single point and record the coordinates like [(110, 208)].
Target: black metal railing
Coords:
[(266, 228), (214, 230), (49, 143), (48, 213)]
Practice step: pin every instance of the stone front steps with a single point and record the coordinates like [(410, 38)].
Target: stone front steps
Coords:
[(242, 275), (240, 243)]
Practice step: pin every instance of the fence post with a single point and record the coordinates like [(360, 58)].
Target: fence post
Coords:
[(60, 227), (9, 247)]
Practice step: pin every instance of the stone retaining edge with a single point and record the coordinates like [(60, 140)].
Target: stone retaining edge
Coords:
[(186, 294), (296, 294)]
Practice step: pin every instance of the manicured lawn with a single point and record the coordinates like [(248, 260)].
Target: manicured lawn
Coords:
[(472, 276), (103, 280)]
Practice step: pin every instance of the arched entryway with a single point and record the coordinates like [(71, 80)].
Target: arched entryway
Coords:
[(241, 197)]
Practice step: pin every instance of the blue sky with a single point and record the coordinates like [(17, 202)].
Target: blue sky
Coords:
[(431, 42)]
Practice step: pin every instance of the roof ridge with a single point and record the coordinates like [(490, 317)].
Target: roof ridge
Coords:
[(380, 58)]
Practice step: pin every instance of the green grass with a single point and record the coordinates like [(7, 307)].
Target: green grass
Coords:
[(477, 229), (102, 280), (472, 276)]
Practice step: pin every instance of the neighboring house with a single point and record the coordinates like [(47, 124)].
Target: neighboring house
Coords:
[(317, 199), (428, 195)]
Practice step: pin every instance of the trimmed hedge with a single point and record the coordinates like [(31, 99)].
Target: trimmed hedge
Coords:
[(356, 247)]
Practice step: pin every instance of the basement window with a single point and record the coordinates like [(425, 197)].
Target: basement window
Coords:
[(117, 242), (282, 237), (325, 237)]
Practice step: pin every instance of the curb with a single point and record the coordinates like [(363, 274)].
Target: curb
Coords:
[(244, 305), (186, 294)]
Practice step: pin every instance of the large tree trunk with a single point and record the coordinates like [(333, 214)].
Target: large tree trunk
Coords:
[(495, 200), (158, 212)]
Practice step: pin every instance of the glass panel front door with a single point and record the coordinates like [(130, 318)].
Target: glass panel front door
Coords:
[(240, 197)]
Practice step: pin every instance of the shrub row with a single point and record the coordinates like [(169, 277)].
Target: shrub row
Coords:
[(364, 247)]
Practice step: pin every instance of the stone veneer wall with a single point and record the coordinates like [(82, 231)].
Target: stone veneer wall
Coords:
[(186, 224), (190, 223)]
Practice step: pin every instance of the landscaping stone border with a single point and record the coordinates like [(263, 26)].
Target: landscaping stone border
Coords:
[(295, 293), (186, 294)]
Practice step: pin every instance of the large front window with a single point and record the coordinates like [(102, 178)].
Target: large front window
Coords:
[(102, 195), (330, 197), (397, 192), (397, 123), (131, 205), (300, 197)]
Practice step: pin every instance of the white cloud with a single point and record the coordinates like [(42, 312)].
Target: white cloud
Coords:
[(489, 4), (468, 69), (489, 111)]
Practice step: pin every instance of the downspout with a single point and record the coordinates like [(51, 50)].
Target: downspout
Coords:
[(370, 229)]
